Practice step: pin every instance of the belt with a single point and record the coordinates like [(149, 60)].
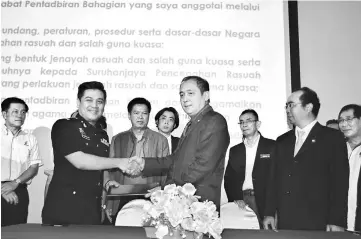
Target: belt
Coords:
[(249, 192)]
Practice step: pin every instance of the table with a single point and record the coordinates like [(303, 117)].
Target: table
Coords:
[(37, 231)]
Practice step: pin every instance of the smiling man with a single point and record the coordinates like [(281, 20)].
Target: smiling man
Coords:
[(200, 155), (349, 120), (20, 161), (308, 182), (81, 152), (139, 141)]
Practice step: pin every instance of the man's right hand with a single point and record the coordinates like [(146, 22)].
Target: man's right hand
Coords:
[(11, 198), (135, 165), (269, 223), (241, 204), (152, 191), (109, 214)]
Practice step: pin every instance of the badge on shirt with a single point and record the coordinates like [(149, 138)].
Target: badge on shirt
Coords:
[(262, 156), (104, 141), (83, 134)]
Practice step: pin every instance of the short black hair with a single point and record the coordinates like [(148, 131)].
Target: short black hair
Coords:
[(202, 84), (91, 85), (170, 109), (309, 96), (356, 110), (5, 105), (138, 101), (331, 121), (250, 111)]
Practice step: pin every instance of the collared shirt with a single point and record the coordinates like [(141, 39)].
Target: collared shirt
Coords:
[(307, 129), (74, 195), (251, 151), (143, 148), (355, 163), (18, 153), (169, 139)]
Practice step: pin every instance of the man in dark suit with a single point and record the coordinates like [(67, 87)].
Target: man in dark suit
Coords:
[(200, 156), (167, 120), (246, 177), (309, 177), (349, 120)]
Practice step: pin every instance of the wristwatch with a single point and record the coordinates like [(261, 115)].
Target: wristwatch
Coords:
[(17, 181)]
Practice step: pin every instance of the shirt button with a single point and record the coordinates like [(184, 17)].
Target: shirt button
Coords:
[(97, 145), (288, 192), (289, 175), (74, 192)]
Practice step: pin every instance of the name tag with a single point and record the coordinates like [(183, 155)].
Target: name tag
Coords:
[(262, 156), (104, 141)]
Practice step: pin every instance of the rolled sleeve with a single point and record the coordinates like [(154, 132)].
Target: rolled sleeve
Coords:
[(34, 157)]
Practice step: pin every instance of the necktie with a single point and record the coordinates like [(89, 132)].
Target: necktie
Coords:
[(299, 141)]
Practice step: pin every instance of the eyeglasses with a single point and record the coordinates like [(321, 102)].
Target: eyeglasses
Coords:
[(348, 120), (241, 123), (291, 105)]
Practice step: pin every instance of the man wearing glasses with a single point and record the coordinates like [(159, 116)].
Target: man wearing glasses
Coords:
[(308, 183), (246, 177), (349, 120), (19, 162)]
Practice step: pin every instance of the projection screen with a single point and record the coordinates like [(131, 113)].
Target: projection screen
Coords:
[(144, 49)]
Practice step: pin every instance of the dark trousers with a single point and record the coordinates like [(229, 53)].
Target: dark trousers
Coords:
[(250, 200), (15, 214)]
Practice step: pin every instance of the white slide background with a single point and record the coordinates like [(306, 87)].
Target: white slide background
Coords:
[(143, 49)]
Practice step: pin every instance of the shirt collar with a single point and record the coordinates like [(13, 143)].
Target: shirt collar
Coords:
[(86, 123), (306, 129), (165, 135), (249, 145), (204, 110), (6, 130)]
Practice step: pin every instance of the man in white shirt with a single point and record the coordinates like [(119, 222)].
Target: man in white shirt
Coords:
[(308, 183), (349, 120), (246, 176), (20, 161), (167, 120)]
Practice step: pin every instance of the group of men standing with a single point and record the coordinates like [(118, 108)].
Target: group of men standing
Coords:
[(306, 179)]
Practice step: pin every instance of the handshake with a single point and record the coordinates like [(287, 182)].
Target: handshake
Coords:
[(134, 166)]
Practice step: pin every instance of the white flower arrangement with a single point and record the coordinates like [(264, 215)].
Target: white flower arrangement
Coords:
[(177, 208)]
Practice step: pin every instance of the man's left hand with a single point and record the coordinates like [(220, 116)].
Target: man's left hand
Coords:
[(111, 184), (334, 228), (8, 187)]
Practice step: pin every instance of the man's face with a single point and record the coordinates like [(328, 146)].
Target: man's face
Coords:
[(139, 116), (91, 105), (350, 125), (15, 115), (296, 113), (248, 124), (166, 122), (191, 98)]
